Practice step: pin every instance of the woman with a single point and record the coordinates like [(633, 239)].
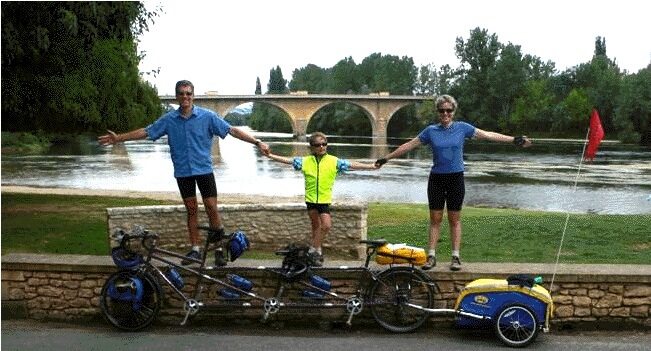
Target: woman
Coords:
[(320, 170), (446, 184)]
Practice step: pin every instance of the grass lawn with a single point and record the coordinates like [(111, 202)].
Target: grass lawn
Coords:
[(60, 224), (506, 235), (67, 224)]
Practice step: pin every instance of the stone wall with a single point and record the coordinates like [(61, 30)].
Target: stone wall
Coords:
[(269, 227), (67, 287)]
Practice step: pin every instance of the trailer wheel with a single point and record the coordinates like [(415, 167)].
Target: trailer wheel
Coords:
[(516, 325)]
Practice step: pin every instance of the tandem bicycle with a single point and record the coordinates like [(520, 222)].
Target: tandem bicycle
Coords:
[(132, 297), (401, 298)]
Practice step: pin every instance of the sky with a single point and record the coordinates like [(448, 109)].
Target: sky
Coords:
[(224, 46)]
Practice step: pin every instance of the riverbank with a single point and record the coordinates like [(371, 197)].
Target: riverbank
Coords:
[(155, 195)]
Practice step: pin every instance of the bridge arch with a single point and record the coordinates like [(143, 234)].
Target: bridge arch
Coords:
[(301, 107)]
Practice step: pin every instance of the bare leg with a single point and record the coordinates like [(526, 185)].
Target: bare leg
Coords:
[(212, 211), (215, 218), (193, 219), (435, 218), (315, 222), (326, 225), (454, 218)]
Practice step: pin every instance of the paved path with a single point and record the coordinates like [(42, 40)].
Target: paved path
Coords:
[(28, 335)]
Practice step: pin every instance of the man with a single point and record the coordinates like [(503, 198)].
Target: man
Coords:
[(190, 130)]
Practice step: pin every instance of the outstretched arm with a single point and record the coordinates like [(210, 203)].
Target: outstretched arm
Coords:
[(112, 137), (401, 150), (522, 141), (244, 136), (282, 159), (357, 165)]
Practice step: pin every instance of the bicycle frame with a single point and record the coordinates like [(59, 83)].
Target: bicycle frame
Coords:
[(191, 305), (383, 291)]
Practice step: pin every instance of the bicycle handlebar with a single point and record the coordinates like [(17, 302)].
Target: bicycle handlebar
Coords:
[(123, 237)]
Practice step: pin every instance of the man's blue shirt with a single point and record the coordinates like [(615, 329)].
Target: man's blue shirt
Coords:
[(447, 145), (190, 139)]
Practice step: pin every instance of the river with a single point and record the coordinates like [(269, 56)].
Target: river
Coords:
[(547, 176)]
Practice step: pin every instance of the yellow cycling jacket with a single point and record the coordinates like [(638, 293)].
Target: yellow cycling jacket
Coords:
[(319, 178)]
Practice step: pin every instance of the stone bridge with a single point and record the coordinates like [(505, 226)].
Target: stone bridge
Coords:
[(301, 107)]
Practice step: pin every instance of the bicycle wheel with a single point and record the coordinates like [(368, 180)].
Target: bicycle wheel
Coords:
[(391, 292), (130, 300), (516, 326)]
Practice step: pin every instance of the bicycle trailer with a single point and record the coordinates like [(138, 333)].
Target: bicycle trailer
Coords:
[(517, 308)]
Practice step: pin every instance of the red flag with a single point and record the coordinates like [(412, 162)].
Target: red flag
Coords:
[(595, 136)]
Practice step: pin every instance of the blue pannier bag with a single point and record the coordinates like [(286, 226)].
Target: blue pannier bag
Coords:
[(128, 289), (237, 245)]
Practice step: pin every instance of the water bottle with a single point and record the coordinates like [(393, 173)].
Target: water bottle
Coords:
[(174, 277), (240, 282), (229, 294), (311, 294), (320, 283)]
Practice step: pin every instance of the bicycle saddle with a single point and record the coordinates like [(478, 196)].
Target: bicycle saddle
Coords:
[(294, 250), (214, 234), (295, 263), (374, 243)]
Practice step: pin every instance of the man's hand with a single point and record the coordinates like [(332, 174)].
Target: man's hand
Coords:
[(263, 147), (108, 139)]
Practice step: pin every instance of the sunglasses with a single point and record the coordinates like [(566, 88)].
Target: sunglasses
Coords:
[(444, 110), (317, 145), (184, 93)]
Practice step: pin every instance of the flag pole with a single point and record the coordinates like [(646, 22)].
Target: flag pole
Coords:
[(567, 218)]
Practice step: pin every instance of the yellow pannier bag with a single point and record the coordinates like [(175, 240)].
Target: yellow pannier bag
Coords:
[(400, 253)]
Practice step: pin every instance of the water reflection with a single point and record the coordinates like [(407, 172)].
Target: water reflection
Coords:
[(542, 177)]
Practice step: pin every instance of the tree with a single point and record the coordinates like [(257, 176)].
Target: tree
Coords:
[(388, 73), (601, 80), (427, 80), (268, 117), (73, 66), (277, 83), (577, 109), (310, 78), (446, 79), (478, 56), (633, 114), (345, 77), (258, 87), (507, 80), (533, 109), (340, 118)]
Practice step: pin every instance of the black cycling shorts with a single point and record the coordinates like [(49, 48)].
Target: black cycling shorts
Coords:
[(205, 183), (320, 208), (445, 189)]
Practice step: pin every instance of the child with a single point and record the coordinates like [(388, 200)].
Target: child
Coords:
[(320, 170)]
